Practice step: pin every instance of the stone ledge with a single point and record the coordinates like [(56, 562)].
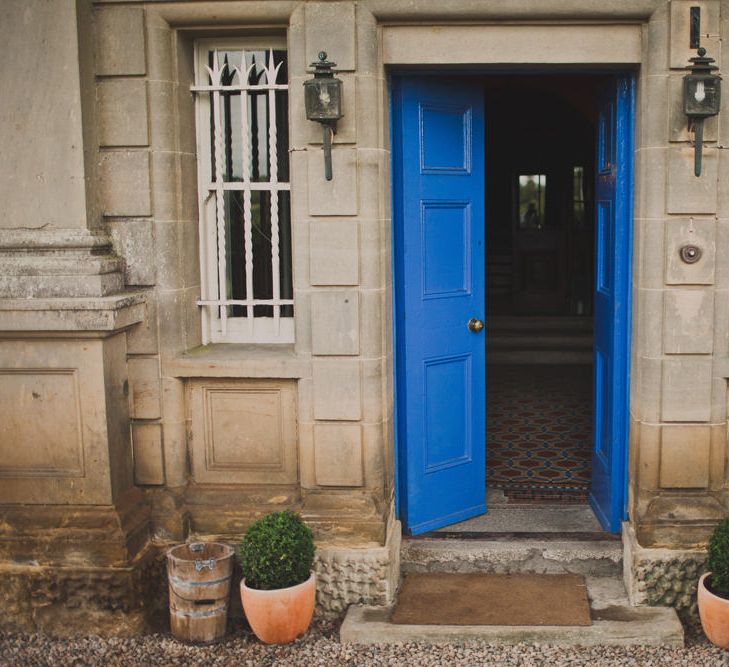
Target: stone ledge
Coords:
[(53, 241), (228, 360), (467, 10), (73, 315), (75, 535), (224, 512), (57, 264)]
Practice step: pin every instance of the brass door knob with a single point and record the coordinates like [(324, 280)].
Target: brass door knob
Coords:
[(475, 325)]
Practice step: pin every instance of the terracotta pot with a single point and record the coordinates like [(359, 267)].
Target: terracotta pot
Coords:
[(714, 613), (279, 616)]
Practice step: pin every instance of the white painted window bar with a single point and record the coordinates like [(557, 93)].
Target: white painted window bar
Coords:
[(243, 183)]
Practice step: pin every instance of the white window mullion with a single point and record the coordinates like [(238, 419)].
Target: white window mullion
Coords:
[(244, 75), (248, 242), (272, 74), (215, 75)]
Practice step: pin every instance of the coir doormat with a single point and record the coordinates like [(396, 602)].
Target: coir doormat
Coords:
[(492, 599)]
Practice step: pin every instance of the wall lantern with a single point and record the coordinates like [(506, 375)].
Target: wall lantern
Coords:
[(323, 101), (701, 94)]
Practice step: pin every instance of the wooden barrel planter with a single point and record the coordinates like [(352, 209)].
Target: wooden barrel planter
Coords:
[(199, 581)]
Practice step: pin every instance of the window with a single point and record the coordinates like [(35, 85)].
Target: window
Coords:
[(243, 180), (532, 189)]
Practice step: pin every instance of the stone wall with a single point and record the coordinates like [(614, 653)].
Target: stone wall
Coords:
[(678, 384)]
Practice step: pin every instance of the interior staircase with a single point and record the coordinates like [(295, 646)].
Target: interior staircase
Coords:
[(539, 340)]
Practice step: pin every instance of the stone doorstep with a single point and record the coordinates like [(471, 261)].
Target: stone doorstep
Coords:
[(595, 558), (615, 622)]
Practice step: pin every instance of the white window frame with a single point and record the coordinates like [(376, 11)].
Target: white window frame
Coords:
[(217, 325)]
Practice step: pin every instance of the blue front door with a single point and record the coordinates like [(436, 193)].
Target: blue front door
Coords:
[(438, 169), (613, 233), (439, 130)]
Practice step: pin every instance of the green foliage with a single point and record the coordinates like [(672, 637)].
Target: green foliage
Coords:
[(718, 561), (277, 551)]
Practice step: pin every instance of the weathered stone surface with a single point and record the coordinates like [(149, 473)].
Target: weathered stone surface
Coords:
[(122, 112), (677, 520), (358, 576), (58, 263), (685, 193), (338, 454), (334, 252), (142, 338), (144, 383), (41, 133), (685, 456), (686, 388), (148, 461), (680, 41), (120, 41), (338, 196), (427, 44), (661, 577), (94, 465), (337, 390), (688, 322), (68, 601), (124, 182), (103, 314), (134, 241), (330, 28), (335, 322)]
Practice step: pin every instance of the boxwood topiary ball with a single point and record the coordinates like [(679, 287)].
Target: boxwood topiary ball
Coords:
[(718, 559), (277, 551)]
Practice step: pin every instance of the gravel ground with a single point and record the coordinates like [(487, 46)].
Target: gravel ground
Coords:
[(321, 647)]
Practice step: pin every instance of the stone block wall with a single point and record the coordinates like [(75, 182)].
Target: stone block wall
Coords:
[(678, 386)]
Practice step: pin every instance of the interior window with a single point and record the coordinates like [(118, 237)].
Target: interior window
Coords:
[(532, 189)]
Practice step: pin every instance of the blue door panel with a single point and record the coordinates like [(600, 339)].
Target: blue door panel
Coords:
[(439, 267), (613, 234), (446, 249)]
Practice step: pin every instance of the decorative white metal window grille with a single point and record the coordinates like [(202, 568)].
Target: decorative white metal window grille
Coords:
[(244, 190)]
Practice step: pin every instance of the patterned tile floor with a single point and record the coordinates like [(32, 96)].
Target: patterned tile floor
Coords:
[(539, 431)]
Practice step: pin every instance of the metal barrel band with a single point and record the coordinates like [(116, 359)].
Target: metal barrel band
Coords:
[(192, 613), (184, 583)]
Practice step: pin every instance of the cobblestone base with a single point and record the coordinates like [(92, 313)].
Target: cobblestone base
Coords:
[(358, 576), (70, 601), (662, 577)]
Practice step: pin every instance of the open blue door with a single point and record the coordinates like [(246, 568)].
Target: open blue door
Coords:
[(439, 245), (613, 239)]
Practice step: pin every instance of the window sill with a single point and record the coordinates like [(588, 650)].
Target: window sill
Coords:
[(230, 360)]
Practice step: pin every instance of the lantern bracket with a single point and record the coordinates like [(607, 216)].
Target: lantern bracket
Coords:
[(701, 97), (323, 102)]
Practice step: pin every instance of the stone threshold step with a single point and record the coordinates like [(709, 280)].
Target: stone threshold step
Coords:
[(597, 558), (516, 535), (614, 622)]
